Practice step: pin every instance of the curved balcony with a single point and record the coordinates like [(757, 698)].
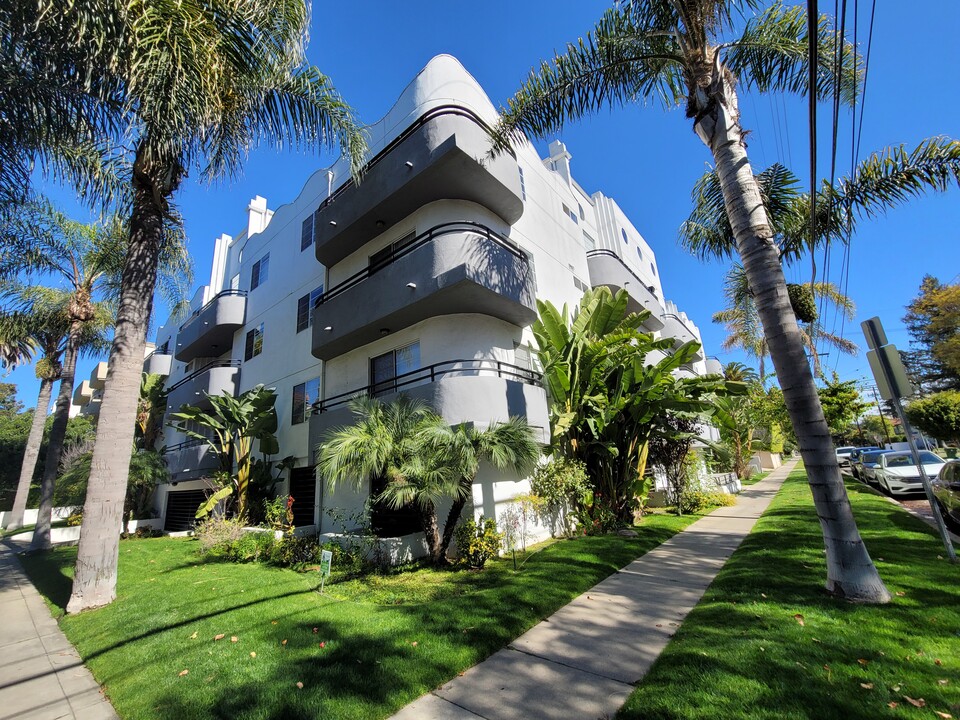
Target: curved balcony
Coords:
[(190, 459), (674, 327), (216, 378), (444, 155), (607, 268), (714, 366), (451, 268), (209, 332), (462, 391), (158, 363)]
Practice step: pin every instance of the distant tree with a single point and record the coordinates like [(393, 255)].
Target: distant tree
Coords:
[(876, 430), (14, 427), (933, 321), (841, 403), (937, 415)]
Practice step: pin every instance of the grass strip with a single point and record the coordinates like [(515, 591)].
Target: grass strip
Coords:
[(363, 650), (766, 641)]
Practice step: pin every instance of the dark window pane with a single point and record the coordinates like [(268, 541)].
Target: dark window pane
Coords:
[(303, 313)]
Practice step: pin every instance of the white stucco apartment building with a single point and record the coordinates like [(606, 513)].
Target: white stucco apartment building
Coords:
[(422, 279)]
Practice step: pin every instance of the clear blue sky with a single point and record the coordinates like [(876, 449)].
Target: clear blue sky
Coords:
[(645, 158)]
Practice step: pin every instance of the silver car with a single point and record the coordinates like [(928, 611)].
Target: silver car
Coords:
[(897, 473), (946, 489), (867, 465)]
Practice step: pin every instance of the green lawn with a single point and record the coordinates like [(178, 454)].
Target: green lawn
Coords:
[(754, 479), (767, 642), (362, 651)]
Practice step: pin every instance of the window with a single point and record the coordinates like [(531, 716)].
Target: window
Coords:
[(523, 185), (235, 282), (639, 253), (523, 359), (623, 234), (580, 207), (163, 349), (588, 241), (258, 273), (653, 269), (254, 344), (579, 284), (569, 213), (304, 396), (306, 233), (380, 259), (386, 368), (306, 306)]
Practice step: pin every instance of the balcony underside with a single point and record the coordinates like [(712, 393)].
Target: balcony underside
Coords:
[(158, 364), (210, 332), (674, 328), (444, 159), (460, 399), (191, 462)]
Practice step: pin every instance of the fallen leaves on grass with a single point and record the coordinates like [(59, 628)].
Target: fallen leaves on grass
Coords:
[(863, 661), (219, 636), (799, 618), (900, 593), (253, 654), (919, 702), (182, 673), (234, 638), (323, 645), (867, 686), (945, 716), (299, 685), (194, 636), (942, 681), (283, 642)]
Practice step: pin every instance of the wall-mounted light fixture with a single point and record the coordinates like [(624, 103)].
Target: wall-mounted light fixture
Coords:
[(412, 286), (408, 164), (333, 223), (328, 328)]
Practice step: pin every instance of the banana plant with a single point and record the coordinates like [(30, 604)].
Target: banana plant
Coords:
[(233, 424)]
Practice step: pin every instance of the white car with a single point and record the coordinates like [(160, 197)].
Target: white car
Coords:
[(897, 473), (843, 456)]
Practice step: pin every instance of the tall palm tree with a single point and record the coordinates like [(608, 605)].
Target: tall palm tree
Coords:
[(34, 334), (698, 52), (746, 332), (201, 82)]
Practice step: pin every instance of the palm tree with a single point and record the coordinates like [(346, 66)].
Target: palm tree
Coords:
[(696, 52), (201, 83), (386, 440), (746, 333), (46, 336)]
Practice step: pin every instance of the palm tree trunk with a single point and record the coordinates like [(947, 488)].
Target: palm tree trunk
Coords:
[(431, 531), (95, 577), (30, 454), (61, 414), (453, 517), (850, 571)]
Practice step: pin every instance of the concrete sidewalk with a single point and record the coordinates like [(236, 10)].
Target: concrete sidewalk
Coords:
[(41, 674), (584, 660)]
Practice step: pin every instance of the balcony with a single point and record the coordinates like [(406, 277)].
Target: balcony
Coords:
[(441, 156), (607, 268), (158, 363), (190, 459), (98, 376), (714, 366), (674, 327), (462, 391), (452, 268), (209, 333), (83, 394), (216, 378)]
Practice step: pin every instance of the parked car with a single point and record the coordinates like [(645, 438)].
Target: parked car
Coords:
[(897, 473), (946, 489), (855, 456), (867, 464), (843, 456)]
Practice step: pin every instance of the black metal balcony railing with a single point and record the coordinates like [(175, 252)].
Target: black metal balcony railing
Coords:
[(431, 114), (221, 294), (437, 231), (610, 253), (206, 368), (431, 374), (192, 442)]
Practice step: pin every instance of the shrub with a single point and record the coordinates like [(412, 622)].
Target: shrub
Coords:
[(217, 535), (251, 547), (75, 519), (695, 501), (564, 486), (278, 513), (295, 552), (477, 541)]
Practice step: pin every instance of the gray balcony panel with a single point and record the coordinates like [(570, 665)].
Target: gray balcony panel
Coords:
[(468, 398), (674, 327), (212, 381), (158, 364), (98, 376), (455, 273), (606, 268), (714, 366), (445, 158), (209, 333), (190, 460)]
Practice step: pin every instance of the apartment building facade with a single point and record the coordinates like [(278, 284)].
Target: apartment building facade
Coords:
[(421, 279)]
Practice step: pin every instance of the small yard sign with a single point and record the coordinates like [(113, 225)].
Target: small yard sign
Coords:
[(326, 559)]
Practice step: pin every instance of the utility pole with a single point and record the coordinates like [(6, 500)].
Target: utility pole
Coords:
[(892, 381)]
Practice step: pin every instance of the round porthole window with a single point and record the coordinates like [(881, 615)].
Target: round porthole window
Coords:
[(639, 254), (624, 234)]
